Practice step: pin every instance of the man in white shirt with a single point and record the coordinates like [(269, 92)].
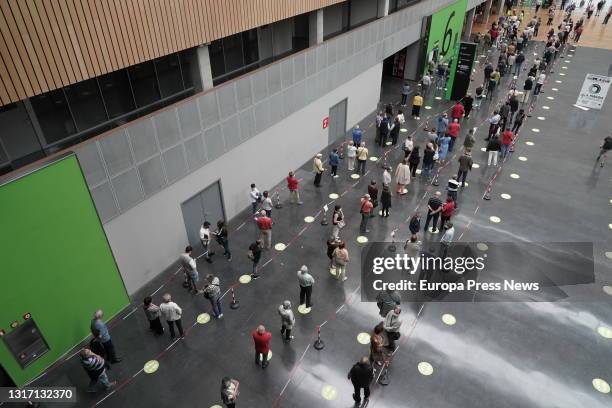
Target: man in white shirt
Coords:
[(255, 197), (266, 204), (172, 313), (205, 235), (446, 239), (351, 153), (539, 83), (189, 267), (493, 124)]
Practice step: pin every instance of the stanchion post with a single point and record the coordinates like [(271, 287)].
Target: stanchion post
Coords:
[(319, 344), (384, 377), (235, 304), (278, 204), (324, 220)]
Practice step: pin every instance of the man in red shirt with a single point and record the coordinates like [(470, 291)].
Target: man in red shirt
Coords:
[(457, 111), (292, 185), (453, 132), (262, 338), (265, 227), (447, 211), (507, 137), (366, 210)]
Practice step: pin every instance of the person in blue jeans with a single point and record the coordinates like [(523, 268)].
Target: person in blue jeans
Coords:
[(212, 292), (334, 160)]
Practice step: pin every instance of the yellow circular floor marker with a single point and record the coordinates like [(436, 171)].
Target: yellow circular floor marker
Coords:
[(515, 176), (609, 255), (431, 230), (438, 98), (425, 368), (203, 318), (522, 158), (601, 385), (558, 82), (151, 366), (373, 158), (535, 130), (564, 67), (554, 89), (333, 196), (467, 184), (244, 279), (363, 338), (610, 226), (418, 171), (427, 107), (482, 246), (388, 143), (329, 392), (545, 107), (216, 406), (403, 130), (309, 219), (605, 332), (561, 73), (483, 149), (505, 196), (495, 219), (448, 319), (550, 98), (280, 246), (303, 309), (607, 290), (362, 239), (529, 143), (541, 118), (476, 165), (355, 176)]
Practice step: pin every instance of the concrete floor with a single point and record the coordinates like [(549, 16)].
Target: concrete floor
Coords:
[(496, 355)]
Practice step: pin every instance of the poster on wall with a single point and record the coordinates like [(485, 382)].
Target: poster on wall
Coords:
[(594, 91), (463, 70)]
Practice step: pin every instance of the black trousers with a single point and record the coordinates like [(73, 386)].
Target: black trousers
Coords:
[(179, 325), (261, 358), (516, 126), (109, 350), (413, 168), (305, 293), (416, 110), (431, 216), (334, 170), (404, 99), (286, 332), (461, 175), (317, 180), (357, 394), (156, 326)]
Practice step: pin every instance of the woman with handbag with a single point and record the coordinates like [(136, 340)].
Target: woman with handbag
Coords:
[(337, 221), (341, 259), (402, 177)]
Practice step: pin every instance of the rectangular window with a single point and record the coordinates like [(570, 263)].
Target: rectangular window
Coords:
[(86, 104), (217, 62), (189, 67), (53, 115), (232, 51), (144, 83), (250, 47), (116, 93), (169, 75)]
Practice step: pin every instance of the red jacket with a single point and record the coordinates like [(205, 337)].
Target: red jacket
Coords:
[(264, 223), (457, 111), (262, 341), (448, 208), (292, 183), (507, 137), (453, 129)]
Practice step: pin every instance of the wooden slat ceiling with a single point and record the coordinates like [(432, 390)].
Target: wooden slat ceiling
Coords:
[(48, 44)]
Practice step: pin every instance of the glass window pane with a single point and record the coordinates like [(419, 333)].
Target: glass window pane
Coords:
[(53, 115), (251, 52), (189, 67), (232, 50), (215, 53), (117, 93), (169, 74), (86, 104), (144, 83)]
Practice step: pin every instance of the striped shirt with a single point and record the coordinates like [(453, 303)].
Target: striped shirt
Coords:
[(93, 362)]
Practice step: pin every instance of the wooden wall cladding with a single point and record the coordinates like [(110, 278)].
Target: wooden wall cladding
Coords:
[(48, 44)]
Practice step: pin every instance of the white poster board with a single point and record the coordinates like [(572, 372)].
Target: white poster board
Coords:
[(594, 91)]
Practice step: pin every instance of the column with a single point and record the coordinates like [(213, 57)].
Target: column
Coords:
[(487, 12), (411, 66), (383, 8), (469, 20), (204, 66), (315, 26)]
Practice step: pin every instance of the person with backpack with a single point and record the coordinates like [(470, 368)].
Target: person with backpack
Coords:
[(212, 292), (341, 260)]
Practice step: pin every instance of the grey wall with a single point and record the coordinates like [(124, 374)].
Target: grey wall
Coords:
[(363, 10), (139, 174)]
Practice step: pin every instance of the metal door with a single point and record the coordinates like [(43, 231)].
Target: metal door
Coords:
[(337, 121), (207, 205)]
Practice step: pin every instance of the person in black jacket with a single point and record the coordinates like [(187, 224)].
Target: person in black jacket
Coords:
[(468, 102), (385, 201), (518, 121), (415, 224), (413, 160), (361, 375), (394, 131)]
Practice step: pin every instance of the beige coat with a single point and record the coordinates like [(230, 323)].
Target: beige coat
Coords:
[(402, 174), (317, 165)]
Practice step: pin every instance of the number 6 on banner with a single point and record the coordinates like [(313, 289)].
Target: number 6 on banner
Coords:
[(448, 34)]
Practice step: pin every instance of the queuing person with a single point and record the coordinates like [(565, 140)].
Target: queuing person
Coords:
[(493, 81), (332, 244), (264, 223), (229, 391), (95, 366), (514, 105), (392, 326), (357, 134), (447, 238), (373, 193), (413, 160), (189, 266), (394, 130), (334, 161), (387, 300), (377, 342), (493, 147), (361, 375), (448, 208), (100, 332), (262, 339), (442, 126), (453, 131), (205, 241), (386, 176), (385, 201), (351, 154), (362, 158), (469, 140), (504, 113), (287, 320), (405, 93), (425, 83), (383, 130), (212, 292), (488, 70), (465, 165), (255, 198), (341, 259), (254, 255), (172, 313), (506, 141), (337, 221), (293, 187), (434, 207), (306, 281), (452, 188), (402, 177), (317, 168), (493, 124), (539, 83), (414, 224), (518, 121), (221, 236), (267, 204), (479, 92), (457, 111), (365, 210), (468, 103), (152, 312), (417, 103), (428, 161)]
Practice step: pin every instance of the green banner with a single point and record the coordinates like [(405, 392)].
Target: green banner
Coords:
[(445, 36)]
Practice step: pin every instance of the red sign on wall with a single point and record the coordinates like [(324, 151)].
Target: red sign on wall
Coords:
[(325, 122)]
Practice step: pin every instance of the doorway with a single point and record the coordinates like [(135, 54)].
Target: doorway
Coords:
[(337, 121), (207, 205)]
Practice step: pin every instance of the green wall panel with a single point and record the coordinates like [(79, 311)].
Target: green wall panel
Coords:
[(55, 262)]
